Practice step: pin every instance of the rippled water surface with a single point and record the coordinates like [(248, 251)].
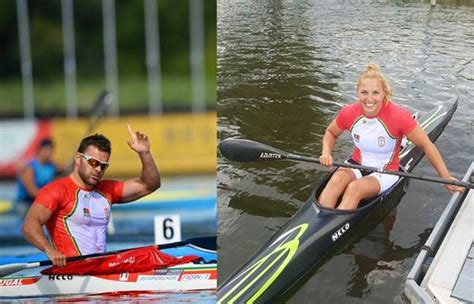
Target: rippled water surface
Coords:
[(284, 70)]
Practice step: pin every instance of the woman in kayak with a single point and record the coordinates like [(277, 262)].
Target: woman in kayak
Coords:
[(377, 126)]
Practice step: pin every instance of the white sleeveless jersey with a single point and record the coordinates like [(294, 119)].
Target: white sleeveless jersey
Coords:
[(376, 139)]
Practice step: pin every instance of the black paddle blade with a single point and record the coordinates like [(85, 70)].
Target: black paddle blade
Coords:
[(208, 242), (244, 150)]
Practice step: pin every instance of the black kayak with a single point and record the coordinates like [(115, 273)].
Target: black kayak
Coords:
[(315, 233)]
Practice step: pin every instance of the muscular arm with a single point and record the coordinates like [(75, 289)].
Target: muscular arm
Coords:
[(149, 179), (419, 137), (35, 219), (329, 141)]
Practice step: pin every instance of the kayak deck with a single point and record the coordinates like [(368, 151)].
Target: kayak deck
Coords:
[(201, 275), (37, 255), (185, 277)]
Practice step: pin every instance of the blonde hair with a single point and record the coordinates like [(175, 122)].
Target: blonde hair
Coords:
[(373, 71)]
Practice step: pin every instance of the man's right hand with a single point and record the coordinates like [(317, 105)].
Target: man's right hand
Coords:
[(56, 257)]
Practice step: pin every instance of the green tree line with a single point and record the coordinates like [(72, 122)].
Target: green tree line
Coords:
[(47, 42)]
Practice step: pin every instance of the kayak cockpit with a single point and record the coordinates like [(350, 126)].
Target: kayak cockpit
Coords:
[(362, 205)]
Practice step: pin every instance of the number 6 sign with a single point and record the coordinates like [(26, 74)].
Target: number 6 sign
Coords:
[(167, 229)]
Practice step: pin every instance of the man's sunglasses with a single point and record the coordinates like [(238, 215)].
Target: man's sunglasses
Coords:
[(94, 162)]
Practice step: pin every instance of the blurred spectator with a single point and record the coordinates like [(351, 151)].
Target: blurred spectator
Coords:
[(37, 173)]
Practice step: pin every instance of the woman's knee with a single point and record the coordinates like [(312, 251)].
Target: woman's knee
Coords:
[(340, 179), (353, 188), (363, 188)]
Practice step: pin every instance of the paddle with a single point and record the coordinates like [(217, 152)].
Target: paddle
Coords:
[(98, 110), (244, 150), (203, 242)]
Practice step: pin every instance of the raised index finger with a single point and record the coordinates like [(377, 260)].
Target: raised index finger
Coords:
[(130, 131)]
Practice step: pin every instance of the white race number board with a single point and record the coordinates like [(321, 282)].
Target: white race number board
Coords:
[(167, 229)]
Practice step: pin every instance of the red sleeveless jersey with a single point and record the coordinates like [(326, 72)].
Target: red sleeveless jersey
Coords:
[(79, 217)]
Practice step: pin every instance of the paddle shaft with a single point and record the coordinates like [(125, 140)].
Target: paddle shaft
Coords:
[(244, 150), (398, 173), (94, 255), (11, 268)]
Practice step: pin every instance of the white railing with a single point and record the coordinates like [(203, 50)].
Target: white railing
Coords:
[(152, 40)]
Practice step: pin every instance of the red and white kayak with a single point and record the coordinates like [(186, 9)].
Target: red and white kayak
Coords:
[(185, 277), (26, 280)]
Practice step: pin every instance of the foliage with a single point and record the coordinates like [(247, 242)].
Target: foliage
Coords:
[(133, 95), (47, 44)]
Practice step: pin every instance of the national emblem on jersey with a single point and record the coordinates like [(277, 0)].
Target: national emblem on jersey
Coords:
[(381, 141), (107, 212)]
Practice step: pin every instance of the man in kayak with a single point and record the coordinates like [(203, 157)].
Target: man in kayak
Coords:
[(377, 126), (76, 208)]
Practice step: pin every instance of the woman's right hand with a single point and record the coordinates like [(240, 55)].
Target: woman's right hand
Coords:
[(56, 257), (326, 160)]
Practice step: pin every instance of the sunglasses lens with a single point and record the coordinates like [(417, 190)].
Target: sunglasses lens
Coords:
[(94, 163)]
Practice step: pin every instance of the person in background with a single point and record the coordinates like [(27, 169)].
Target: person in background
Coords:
[(37, 173), (76, 209)]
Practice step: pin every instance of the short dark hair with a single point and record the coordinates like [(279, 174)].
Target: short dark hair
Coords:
[(97, 140), (46, 142)]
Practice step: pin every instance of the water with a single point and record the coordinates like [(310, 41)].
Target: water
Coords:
[(284, 70), (204, 297)]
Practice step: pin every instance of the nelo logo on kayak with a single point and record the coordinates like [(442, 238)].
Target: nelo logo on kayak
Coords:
[(60, 277), (11, 282), (340, 232), (266, 155)]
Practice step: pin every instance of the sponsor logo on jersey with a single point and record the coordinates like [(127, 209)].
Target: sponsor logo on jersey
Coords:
[(87, 212), (356, 137)]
